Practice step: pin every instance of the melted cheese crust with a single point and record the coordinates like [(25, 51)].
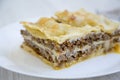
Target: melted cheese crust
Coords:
[(81, 18), (81, 24)]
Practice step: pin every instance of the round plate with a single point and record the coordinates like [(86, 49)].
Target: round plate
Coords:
[(13, 58)]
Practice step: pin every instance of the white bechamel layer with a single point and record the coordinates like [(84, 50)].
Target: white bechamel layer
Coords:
[(56, 54)]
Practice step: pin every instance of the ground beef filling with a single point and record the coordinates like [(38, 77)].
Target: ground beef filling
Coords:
[(42, 52), (67, 57), (88, 39)]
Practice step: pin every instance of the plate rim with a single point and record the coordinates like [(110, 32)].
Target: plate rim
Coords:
[(49, 77)]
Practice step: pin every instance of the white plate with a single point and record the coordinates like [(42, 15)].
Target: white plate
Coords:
[(13, 58)]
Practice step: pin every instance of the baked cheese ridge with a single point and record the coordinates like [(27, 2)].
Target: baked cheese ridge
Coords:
[(49, 28), (81, 18)]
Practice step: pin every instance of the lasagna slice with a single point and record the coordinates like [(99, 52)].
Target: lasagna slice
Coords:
[(70, 37)]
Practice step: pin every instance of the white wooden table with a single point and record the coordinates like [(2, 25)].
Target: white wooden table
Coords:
[(17, 10)]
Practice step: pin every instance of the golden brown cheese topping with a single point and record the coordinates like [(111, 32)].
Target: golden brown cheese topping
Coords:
[(48, 28), (81, 18), (72, 26)]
